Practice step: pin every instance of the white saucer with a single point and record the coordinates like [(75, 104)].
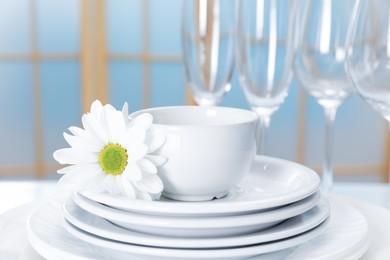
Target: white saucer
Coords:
[(270, 183), (103, 228), (196, 226), (174, 253)]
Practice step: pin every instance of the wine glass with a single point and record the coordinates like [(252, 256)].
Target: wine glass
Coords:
[(319, 65), (264, 50), (368, 59), (207, 43)]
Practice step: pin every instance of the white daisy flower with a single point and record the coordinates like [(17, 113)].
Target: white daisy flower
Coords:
[(113, 154)]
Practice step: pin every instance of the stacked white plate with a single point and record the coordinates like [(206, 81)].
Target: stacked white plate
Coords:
[(277, 206)]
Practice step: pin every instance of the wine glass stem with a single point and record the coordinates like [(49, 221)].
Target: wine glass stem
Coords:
[(327, 170), (262, 134)]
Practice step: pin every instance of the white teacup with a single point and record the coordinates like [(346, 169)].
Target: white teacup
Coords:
[(209, 150)]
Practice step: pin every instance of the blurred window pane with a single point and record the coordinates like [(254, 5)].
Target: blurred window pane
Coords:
[(123, 18), (167, 81), (125, 81), (17, 131), (61, 103), (15, 26), (58, 26), (165, 24)]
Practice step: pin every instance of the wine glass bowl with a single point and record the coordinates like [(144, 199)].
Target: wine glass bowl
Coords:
[(368, 60), (325, 80), (207, 44), (320, 57), (319, 64), (264, 50)]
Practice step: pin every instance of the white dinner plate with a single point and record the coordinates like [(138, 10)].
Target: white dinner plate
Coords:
[(48, 237), (357, 251), (217, 226), (346, 237), (50, 240), (103, 228), (30, 254), (270, 183), (181, 253)]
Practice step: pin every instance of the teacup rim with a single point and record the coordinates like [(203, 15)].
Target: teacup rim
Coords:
[(147, 110)]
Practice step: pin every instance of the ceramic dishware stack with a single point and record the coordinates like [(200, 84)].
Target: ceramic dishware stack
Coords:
[(276, 206), (275, 212), (219, 201)]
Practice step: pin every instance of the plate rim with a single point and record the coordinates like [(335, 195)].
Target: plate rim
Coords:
[(134, 237), (341, 252), (166, 222), (245, 251), (223, 208)]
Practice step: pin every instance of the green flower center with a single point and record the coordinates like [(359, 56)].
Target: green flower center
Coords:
[(113, 159)]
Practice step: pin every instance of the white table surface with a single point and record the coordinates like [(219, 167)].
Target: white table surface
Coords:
[(17, 193)]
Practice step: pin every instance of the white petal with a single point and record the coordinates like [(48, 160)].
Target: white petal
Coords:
[(79, 175), (72, 179), (122, 137), (126, 187), (97, 183), (110, 184), (134, 135), (143, 120), (147, 166), (82, 134), (132, 172), (82, 143), (154, 140), (72, 168), (109, 107), (96, 107), (80, 168), (104, 121), (115, 124), (74, 156), (77, 131), (70, 139), (125, 112), (93, 127), (120, 127), (137, 152), (157, 160), (150, 183), (144, 195), (156, 196)]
